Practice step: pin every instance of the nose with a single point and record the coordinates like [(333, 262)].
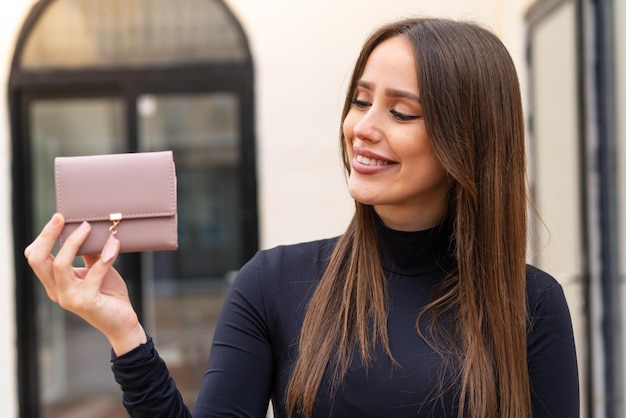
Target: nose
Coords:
[(368, 126)]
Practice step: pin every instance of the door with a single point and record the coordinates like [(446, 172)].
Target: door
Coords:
[(72, 357), (94, 77), (188, 285), (179, 293)]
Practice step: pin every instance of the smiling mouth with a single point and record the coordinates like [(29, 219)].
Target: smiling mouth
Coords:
[(370, 161)]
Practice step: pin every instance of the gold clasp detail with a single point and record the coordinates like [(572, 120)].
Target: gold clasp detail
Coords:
[(115, 219)]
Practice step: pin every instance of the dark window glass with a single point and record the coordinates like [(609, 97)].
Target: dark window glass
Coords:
[(135, 75)]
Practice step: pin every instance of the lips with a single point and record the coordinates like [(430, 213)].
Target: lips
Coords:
[(367, 162)]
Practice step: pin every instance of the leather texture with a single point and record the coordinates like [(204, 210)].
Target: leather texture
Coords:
[(140, 186)]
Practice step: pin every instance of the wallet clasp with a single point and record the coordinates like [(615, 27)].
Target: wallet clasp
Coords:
[(115, 219)]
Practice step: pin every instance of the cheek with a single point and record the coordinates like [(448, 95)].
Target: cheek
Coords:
[(347, 129), (434, 169), (353, 117), (423, 160)]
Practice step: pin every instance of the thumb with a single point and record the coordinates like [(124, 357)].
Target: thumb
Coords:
[(110, 251), (98, 268)]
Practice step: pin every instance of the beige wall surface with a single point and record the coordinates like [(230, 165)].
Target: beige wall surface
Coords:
[(303, 53), (557, 243), (12, 15)]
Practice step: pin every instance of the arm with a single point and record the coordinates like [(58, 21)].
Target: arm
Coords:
[(149, 391), (237, 382), (99, 295), (552, 361), (239, 376)]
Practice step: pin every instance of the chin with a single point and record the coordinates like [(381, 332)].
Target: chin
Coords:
[(367, 193), (363, 198)]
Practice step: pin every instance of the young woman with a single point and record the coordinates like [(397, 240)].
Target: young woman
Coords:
[(424, 307)]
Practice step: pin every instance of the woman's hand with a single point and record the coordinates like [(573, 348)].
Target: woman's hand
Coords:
[(96, 292)]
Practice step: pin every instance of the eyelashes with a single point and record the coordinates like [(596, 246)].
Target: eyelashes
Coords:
[(402, 117), (360, 103)]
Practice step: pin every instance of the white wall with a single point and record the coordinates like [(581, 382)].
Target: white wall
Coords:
[(303, 54), (12, 15)]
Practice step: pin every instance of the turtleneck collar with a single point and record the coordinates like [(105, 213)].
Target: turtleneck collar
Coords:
[(415, 253)]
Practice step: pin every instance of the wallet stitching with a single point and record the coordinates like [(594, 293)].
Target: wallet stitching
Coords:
[(172, 178), (58, 193), (170, 212), (135, 215)]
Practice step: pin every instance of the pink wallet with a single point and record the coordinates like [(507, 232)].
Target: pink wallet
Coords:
[(132, 196)]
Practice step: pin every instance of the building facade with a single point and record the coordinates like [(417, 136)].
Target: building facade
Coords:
[(248, 95)]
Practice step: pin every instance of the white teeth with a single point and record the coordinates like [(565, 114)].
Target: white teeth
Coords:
[(370, 161)]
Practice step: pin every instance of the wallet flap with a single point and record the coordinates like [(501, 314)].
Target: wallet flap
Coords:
[(93, 187)]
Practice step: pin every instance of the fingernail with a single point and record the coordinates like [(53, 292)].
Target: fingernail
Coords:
[(83, 226), (55, 220), (110, 249)]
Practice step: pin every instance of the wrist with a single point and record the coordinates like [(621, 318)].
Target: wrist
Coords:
[(130, 340)]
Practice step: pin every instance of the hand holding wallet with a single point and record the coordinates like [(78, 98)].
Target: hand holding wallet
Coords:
[(132, 196)]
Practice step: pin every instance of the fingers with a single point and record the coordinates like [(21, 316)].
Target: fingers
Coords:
[(67, 253), (84, 290), (88, 292), (42, 246), (110, 250), (39, 254), (52, 271), (99, 268), (90, 259), (62, 266), (109, 253)]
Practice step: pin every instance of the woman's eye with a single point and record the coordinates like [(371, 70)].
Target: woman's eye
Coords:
[(403, 117), (360, 103)]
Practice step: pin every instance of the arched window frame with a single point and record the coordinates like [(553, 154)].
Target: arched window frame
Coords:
[(129, 83)]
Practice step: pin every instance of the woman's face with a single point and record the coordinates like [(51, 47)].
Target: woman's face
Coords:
[(394, 167)]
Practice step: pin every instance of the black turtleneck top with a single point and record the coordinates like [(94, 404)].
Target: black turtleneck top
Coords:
[(255, 343)]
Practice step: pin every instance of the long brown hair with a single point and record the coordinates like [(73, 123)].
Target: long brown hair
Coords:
[(473, 114)]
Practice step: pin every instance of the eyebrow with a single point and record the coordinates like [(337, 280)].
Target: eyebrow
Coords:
[(391, 92)]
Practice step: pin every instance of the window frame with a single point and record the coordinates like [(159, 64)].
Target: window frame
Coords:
[(598, 183), (127, 84)]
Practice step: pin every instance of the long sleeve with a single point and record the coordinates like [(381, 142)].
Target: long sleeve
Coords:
[(552, 354), (238, 378), (254, 345), (149, 391)]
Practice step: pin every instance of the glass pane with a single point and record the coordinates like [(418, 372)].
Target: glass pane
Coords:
[(555, 174), (189, 284), (105, 33), (620, 71), (75, 374)]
